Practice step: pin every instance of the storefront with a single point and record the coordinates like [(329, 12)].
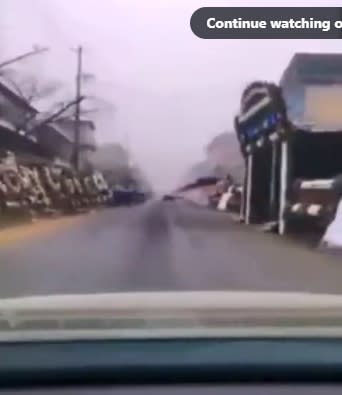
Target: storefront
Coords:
[(262, 129), (290, 171)]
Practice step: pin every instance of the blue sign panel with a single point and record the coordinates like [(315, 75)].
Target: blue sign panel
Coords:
[(261, 112)]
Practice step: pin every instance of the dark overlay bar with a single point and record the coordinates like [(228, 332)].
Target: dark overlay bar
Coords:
[(267, 23)]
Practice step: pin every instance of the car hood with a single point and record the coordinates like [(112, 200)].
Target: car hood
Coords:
[(170, 314), (197, 300)]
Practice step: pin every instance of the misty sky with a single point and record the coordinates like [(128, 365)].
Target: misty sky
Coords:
[(172, 90)]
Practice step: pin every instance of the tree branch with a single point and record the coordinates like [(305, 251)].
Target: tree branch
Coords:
[(55, 115), (29, 88), (35, 51), (15, 86), (89, 111)]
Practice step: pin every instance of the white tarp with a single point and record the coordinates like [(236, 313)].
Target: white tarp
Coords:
[(333, 234), (222, 204)]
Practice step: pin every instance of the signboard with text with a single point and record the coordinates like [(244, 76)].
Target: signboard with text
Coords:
[(261, 113)]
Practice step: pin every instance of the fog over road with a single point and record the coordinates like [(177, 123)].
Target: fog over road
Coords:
[(162, 246)]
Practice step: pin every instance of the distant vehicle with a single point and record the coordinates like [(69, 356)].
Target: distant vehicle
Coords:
[(169, 197), (122, 196)]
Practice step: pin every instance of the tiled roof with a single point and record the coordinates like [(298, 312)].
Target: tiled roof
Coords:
[(323, 66)]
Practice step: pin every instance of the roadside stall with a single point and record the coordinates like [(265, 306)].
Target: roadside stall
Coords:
[(314, 184), (291, 173), (262, 129)]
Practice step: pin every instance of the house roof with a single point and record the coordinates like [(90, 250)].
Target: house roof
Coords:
[(323, 67), (16, 98), (65, 127), (200, 182), (58, 129), (85, 123)]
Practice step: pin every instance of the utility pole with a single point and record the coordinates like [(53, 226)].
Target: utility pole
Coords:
[(78, 107), (35, 51)]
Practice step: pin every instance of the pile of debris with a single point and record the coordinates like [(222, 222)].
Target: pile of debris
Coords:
[(40, 187)]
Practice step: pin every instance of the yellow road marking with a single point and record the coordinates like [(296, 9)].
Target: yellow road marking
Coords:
[(36, 229)]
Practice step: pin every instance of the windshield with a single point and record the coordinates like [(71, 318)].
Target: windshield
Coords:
[(162, 148)]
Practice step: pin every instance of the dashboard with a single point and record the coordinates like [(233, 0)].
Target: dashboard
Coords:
[(190, 390), (177, 366)]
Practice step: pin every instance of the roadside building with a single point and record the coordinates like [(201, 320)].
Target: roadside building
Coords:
[(15, 112), (15, 115), (110, 156), (224, 156), (113, 160), (291, 139), (312, 89), (58, 139), (54, 140)]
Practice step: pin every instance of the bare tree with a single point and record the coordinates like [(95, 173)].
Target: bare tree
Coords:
[(28, 87), (91, 105), (36, 50), (31, 89), (55, 115), (31, 124), (98, 104)]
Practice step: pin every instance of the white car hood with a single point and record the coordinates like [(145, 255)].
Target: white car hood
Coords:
[(170, 314), (178, 301)]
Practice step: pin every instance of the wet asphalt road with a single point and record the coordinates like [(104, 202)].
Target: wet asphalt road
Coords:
[(163, 246)]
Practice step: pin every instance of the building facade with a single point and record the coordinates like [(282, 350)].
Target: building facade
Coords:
[(15, 115), (15, 112), (53, 140), (224, 156), (58, 138), (312, 89)]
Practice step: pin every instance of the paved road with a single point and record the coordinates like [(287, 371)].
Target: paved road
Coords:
[(162, 246)]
